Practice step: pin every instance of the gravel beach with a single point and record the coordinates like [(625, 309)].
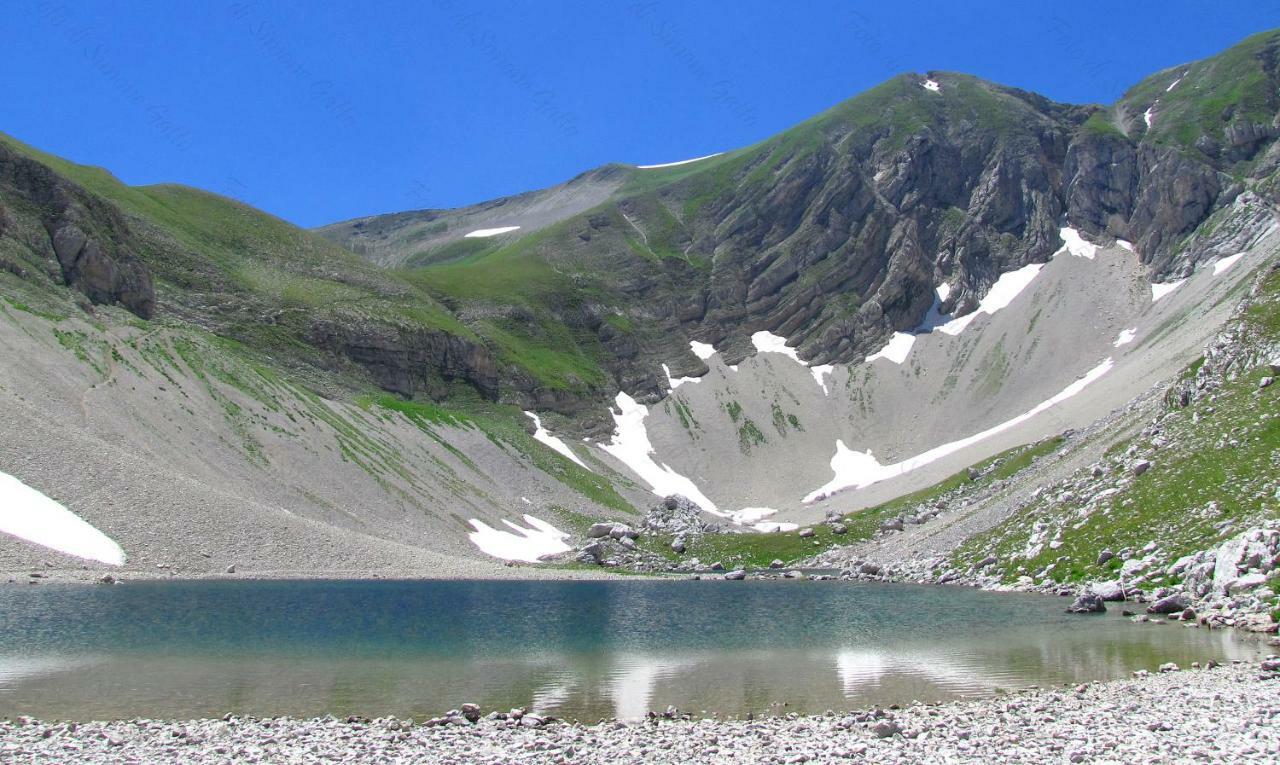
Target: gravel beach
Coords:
[(1228, 714)]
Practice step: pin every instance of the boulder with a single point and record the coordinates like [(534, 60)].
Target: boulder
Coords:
[(806, 533), (599, 530), (1170, 604), (886, 729), (737, 575), (869, 569), (776, 563), (471, 712), (893, 524), (1139, 467), (839, 528), (1108, 591), (1087, 603), (1105, 556), (621, 531)]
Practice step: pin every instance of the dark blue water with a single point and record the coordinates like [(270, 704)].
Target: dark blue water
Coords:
[(577, 649)]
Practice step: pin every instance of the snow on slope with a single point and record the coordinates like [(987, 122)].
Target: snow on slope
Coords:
[(820, 373), (1224, 263), (630, 445), (1001, 294), (896, 350), (676, 382), (681, 162), (703, 351), (767, 342), (1126, 336), (1160, 290), (542, 434), (1073, 243), (861, 469), (521, 543), (481, 233), (27, 514)]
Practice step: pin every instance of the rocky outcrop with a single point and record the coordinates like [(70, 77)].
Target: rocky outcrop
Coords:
[(104, 276), (88, 241), (408, 360)]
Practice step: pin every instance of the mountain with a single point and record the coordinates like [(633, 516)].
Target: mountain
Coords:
[(928, 275)]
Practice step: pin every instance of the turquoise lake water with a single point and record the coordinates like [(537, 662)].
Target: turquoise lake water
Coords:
[(579, 650)]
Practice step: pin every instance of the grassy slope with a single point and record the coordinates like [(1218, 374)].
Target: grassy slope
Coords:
[(1232, 86), (1220, 465), (199, 241)]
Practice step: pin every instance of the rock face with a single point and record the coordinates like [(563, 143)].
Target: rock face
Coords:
[(88, 240), (407, 360)]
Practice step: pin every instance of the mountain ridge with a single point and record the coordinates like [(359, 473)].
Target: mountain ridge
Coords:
[(915, 279)]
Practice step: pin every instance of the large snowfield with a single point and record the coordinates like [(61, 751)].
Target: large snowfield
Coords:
[(27, 514)]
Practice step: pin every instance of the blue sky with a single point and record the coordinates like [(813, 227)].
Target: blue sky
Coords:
[(320, 112)]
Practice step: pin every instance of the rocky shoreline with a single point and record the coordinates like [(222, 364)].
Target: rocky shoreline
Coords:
[(1212, 714)]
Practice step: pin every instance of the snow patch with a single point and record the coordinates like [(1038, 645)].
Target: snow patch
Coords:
[(480, 233), (931, 85), (1001, 294), (943, 291), (521, 543), (703, 351), (896, 350), (1124, 245), (1160, 290), (542, 434), (767, 342), (1224, 263), (820, 373), (681, 162), (861, 469), (1073, 243), (1126, 336), (1148, 115), (749, 515), (27, 514), (1174, 84), (630, 445), (769, 527), (676, 382)]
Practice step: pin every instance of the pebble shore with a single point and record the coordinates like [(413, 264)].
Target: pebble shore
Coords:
[(1228, 714)]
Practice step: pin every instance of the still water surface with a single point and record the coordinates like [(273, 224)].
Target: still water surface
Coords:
[(581, 650)]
